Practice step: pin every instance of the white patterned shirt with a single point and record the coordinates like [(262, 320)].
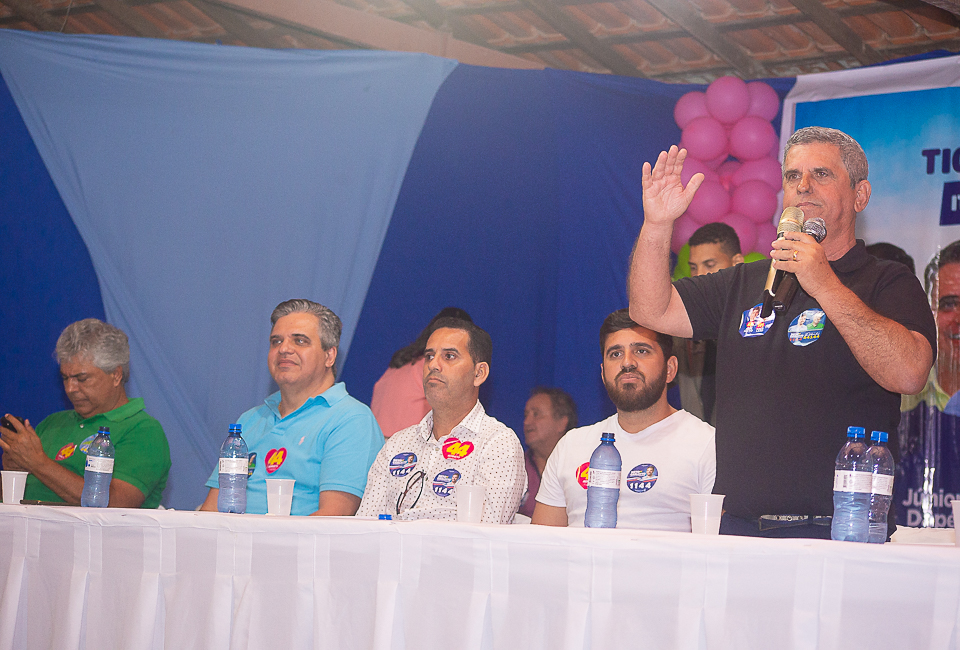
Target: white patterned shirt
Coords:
[(478, 451)]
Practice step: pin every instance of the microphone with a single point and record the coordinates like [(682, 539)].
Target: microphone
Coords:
[(817, 229), (791, 220)]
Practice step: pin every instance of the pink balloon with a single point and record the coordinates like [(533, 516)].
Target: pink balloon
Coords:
[(716, 162), (690, 106), (775, 150), (764, 101), (726, 172), (752, 138), (763, 169), (704, 138), (746, 230), (709, 203), (728, 99), (683, 228), (755, 200), (693, 166), (766, 233)]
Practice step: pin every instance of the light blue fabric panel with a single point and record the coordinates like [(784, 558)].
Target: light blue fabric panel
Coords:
[(211, 182)]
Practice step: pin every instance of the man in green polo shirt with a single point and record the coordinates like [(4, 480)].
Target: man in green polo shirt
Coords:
[(94, 362)]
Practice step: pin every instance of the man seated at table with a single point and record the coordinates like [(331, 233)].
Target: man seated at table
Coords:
[(311, 430), (416, 473), (94, 362), (667, 454)]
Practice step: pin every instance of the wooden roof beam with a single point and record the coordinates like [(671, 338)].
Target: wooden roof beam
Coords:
[(32, 13), (336, 22), (137, 23), (953, 6), (838, 30), (710, 37), (576, 33), (234, 25)]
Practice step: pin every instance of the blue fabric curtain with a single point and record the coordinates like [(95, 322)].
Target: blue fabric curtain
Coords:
[(209, 183), (521, 205)]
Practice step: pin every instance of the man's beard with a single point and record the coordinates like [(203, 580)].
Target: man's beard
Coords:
[(638, 398)]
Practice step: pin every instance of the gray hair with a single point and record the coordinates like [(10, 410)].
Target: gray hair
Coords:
[(329, 323), (851, 153), (102, 344)]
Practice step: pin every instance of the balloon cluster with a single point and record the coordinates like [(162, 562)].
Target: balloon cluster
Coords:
[(729, 138)]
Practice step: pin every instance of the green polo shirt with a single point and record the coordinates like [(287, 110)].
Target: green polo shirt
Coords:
[(142, 452)]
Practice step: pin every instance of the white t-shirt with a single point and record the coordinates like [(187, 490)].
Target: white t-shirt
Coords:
[(661, 467)]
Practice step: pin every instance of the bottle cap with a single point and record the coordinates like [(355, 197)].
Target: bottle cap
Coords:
[(606, 437), (385, 517), (879, 436), (234, 428), (856, 432), (104, 430)]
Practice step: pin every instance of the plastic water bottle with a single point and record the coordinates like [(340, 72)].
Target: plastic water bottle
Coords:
[(98, 472), (881, 494), (603, 485), (234, 459), (852, 482)]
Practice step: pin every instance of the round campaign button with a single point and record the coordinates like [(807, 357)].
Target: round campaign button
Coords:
[(806, 327), (642, 477), (402, 463), (751, 325), (444, 481), (85, 445)]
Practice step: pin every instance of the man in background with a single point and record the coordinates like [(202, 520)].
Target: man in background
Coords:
[(713, 247), (94, 362), (549, 413), (311, 430), (929, 430)]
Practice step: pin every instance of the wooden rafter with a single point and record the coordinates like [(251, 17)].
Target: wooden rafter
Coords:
[(710, 37), (137, 23), (576, 33), (953, 6), (438, 18), (235, 25), (838, 30), (331, 20), (34, 14)]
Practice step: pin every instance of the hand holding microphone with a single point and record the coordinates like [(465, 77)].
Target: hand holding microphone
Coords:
[(783, 295), (791, 220)]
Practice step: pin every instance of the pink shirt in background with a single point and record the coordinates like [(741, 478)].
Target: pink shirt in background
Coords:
[(398, 401)]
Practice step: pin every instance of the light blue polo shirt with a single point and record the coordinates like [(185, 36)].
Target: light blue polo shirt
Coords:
[(329, 443)]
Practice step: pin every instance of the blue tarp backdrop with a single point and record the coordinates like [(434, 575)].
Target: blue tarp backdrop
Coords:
[(209, 183)]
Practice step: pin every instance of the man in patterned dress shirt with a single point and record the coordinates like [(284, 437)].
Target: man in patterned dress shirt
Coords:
[(416, 473)]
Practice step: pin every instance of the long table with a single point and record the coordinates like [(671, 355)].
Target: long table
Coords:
[(84, 578)]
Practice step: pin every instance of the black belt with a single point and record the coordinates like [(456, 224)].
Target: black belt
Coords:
[(767, 522)]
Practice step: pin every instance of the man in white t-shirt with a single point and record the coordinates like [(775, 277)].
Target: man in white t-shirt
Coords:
[(667, 454)]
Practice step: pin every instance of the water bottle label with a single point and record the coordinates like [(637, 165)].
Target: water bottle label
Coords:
[(233, 465), (848, 481), (99, 464), (883, 484), (605, 478)]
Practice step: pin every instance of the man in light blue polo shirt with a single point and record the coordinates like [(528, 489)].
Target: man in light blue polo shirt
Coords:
[(311, 430)]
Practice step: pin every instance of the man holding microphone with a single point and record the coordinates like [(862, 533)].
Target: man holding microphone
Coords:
[(857, 334)]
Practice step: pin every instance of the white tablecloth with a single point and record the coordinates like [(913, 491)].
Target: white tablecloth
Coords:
[(104, 579)]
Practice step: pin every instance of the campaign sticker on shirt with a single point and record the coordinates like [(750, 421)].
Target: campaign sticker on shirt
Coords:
[(275, 458), (752, 325), (444, 481), (66, 451), (642, 477), (402, 463), (85, 445), (455, 449), (583, 473), (251, 463), (807, 327)]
